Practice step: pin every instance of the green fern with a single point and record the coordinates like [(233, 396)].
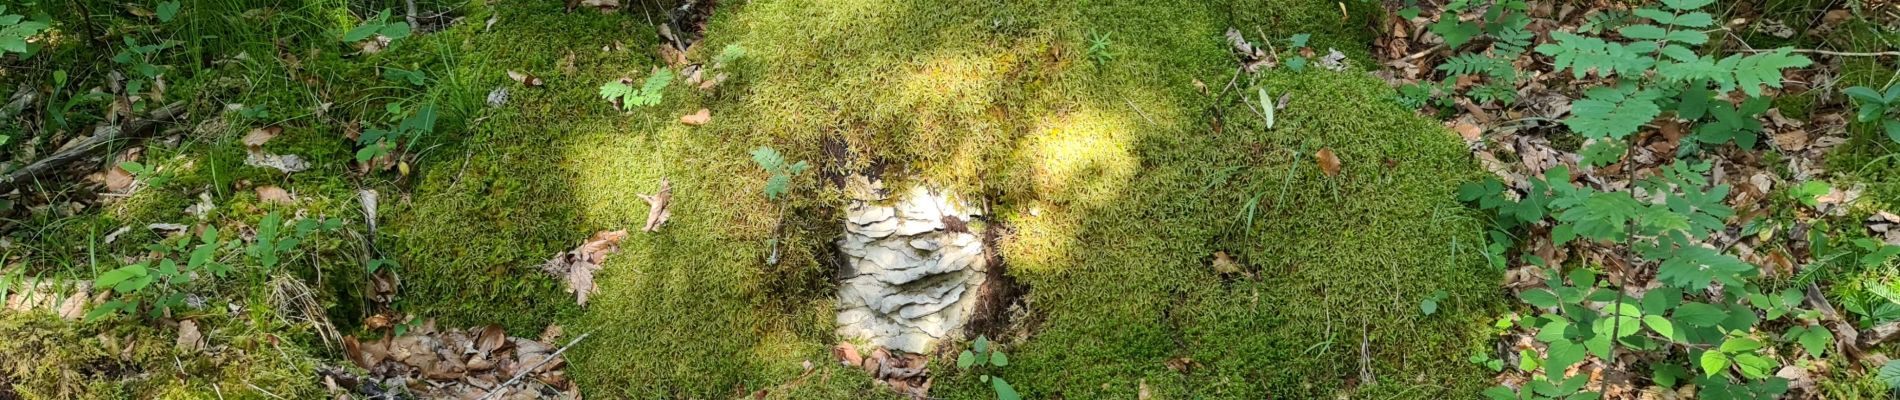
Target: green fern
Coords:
[(1583, 55), (626, 97), (782, 173), (1613, 112)]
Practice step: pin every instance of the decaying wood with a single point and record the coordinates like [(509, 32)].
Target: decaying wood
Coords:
[(101, 137)]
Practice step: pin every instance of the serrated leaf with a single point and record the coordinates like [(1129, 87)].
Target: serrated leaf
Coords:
[(1686, 5), (1890, 373), (1643, 32), (1610, 112), (1815, 340), (1540, 298), (1661, 325)]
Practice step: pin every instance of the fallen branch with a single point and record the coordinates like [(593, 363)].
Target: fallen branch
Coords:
[(1834, 53), (101, 136), (518, 375)]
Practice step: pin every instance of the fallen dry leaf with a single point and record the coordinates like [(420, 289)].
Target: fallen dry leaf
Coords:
[(847, 354), (579, 265), (117, 178), (274, 194), (256, 139), (659, 206), (1471, 132), (698, 118), (525, 79), (1225, 264), (189, 339), (1328, 162)]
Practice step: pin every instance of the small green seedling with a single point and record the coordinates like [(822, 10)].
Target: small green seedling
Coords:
[(1098, 49), (982, 356), (1876, 106), (1429, 306), (625, 97), (168, 11), (380, 25), (782, 173), (14, 29)]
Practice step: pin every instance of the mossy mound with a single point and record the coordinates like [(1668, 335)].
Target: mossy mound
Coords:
[(1115, 181)]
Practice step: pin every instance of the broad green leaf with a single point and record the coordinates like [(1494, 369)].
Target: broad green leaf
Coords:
[(1713, 362), (997, 358), (1661, 325), (361, 32), (1740, 344), (982, 344), (1815, 340), (1893, 129), (395, 30), (1686, 5), (1003, 390), (1660, 300), (1694, 20), (966, 359), (1700, 315), (1500, 393), (1865, 94), (167, 11), (1563, 354), (1890, 373), (1754, 366)]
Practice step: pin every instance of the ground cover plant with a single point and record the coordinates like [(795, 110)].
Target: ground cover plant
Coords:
[(1507, 199)]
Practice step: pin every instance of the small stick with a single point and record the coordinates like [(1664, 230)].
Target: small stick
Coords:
[(1131, 104), (1835, 53), (518, 375)]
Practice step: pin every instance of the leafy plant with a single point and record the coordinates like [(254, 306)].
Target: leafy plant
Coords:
[(415, 77), (167, 11), (137, 58), (380, 25), (782, 173), (626, 97), (1098, 50), (151, 176), (272, 240), (376, 142), (1875, 106), (1429, 306), (986, 358), (14, 29), (160, 283), (1708, 315), (1504, 26)]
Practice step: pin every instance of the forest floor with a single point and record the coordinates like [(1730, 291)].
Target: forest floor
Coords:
[(1161, 235)]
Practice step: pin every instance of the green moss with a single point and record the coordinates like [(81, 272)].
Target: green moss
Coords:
[(47, 358)]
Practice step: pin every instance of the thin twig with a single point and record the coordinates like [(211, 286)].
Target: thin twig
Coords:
[(1836, 53), (1131, 104), (518, 375)]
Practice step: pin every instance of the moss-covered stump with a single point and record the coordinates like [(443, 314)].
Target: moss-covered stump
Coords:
[(1118, 181)]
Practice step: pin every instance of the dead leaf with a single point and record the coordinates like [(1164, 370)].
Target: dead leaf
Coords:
[(189, 339), (490, 338), (1328, 162), (847, 354), (274, 194), (1145, 393), (579, 265), (256, 139), (525, 79), (698, 118), (658, 206), (1471, 132), (118, 179), (74, 306), (1225, 264)]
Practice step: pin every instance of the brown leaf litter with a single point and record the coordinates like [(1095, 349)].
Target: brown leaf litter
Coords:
[(578, 265), (658, 206), (478, 363), (908, 374)]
